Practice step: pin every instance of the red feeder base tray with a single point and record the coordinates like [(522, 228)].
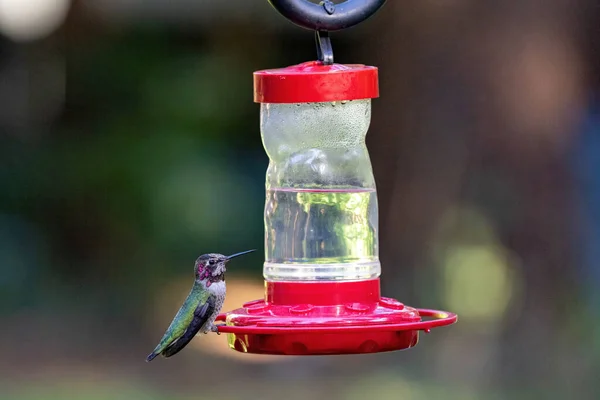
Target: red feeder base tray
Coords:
[(320, 318)]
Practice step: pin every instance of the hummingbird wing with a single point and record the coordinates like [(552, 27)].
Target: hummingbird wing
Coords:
[(201, 315), (182, 320)]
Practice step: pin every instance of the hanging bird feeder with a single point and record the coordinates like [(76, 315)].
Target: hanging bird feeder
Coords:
[(321, 270)]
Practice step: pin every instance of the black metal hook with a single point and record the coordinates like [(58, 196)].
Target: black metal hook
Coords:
[(324, 48), (327, 16)]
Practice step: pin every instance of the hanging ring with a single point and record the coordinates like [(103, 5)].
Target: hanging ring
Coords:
[(327, 16)]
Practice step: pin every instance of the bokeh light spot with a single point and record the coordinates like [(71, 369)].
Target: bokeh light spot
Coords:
[(481, 277), (478, 282), (27, 20)]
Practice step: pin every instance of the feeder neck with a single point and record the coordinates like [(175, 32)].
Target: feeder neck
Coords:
[(322, 293)]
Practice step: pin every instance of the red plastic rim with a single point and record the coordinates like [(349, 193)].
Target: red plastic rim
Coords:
[(318, 318), (313, 82), (442, 318)]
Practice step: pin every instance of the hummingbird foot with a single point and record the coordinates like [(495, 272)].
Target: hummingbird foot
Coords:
[(215, 329)]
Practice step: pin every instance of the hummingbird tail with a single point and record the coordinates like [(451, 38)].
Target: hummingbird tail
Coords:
[(151, 357)]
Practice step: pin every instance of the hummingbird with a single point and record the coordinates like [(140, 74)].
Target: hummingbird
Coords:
[(201, 308)]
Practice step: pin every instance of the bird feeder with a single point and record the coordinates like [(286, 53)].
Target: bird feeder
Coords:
[(322, 269)]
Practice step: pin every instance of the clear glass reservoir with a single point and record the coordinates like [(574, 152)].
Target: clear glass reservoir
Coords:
[(321, 217)]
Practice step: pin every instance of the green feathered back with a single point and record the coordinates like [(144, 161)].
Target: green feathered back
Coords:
[(183, 318)]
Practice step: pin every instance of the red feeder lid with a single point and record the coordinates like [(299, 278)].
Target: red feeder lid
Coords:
[(313, 82)]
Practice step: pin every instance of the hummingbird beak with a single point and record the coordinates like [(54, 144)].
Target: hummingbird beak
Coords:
[(239, 254)]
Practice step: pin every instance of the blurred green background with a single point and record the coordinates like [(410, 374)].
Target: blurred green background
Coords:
[(129, 145)]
